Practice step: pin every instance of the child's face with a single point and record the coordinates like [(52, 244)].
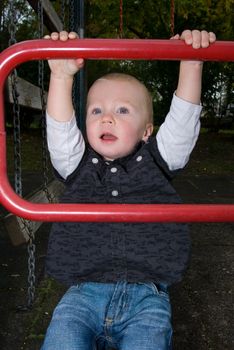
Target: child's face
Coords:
[(117, 117)]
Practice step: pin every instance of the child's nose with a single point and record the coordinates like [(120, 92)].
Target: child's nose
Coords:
[(107, 118)]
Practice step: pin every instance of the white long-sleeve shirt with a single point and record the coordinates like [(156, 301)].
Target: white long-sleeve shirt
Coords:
[(176, 138)]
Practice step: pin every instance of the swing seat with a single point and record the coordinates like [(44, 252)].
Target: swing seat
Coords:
[(29, 94), (16, 228)]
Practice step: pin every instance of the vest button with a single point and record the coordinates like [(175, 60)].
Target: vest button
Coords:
[(94, 160), (115, 193), (139, 158), (113, 170)]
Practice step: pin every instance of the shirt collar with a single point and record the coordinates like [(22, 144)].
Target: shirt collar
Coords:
[(122, 160)]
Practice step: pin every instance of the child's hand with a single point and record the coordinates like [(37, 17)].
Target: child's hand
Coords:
[(190, 76), (196, 38), (61, 68)]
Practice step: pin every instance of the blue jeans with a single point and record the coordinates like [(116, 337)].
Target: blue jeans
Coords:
[(123, 316)]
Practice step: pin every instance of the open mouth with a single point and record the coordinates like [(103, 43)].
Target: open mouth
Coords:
[(108, 137)]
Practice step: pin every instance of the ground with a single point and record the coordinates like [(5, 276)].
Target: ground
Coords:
[(202, 302)]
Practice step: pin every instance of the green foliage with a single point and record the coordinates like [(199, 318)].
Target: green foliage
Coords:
[(25, 22), (212, 15), (151, 19), (144, 19)]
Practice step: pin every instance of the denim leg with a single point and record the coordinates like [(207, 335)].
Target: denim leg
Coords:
[(145, 323), (73, 324), (122, 315)]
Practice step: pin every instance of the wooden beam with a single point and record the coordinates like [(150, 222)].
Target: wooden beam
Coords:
[(29, 94), (50, 17), (15, 226)]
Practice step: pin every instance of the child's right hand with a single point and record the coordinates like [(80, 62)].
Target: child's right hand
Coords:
[(64, 68)]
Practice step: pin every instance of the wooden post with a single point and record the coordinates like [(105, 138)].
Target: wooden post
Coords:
[(51, 19)]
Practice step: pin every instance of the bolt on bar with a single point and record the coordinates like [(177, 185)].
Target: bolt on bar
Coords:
[(106, 49)]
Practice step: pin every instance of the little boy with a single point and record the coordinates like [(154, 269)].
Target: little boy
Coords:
[(118, 274)]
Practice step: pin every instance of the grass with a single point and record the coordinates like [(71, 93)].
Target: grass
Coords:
[(213, 154), (48, 294)]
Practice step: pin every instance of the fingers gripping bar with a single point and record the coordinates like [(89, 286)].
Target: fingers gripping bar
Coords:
[(106, 49)]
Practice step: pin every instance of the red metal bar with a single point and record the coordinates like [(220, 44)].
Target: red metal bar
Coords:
[(106, 49)]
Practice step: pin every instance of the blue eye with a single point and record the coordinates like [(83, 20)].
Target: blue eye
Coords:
[(96, 111), (122, 110)]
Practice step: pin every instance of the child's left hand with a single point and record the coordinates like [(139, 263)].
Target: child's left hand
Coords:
[(196, 38)]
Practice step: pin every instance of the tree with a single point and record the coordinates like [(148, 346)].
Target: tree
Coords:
[(144, 19), (217, 16), (151, 19)]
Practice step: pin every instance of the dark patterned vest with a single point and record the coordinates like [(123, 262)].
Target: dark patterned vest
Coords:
[(109, 252)]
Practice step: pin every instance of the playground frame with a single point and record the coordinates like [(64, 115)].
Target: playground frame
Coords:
[(114, 49)]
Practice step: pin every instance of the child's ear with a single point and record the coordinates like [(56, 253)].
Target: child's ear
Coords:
[(148, 131)]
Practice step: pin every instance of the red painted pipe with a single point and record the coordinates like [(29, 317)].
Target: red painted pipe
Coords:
[(106, 49)]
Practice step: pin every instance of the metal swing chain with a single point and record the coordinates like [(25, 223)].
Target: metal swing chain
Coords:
[(63, 12), (71, 15), (172, 17), (121, 19), (72, 28), (16, 107), (43, 110), (76, 13), (31, 265), (17, 163)]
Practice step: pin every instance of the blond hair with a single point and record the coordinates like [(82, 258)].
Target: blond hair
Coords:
[(127, 77)]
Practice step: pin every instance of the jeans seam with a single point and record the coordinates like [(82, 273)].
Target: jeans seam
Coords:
[(160, 292)]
